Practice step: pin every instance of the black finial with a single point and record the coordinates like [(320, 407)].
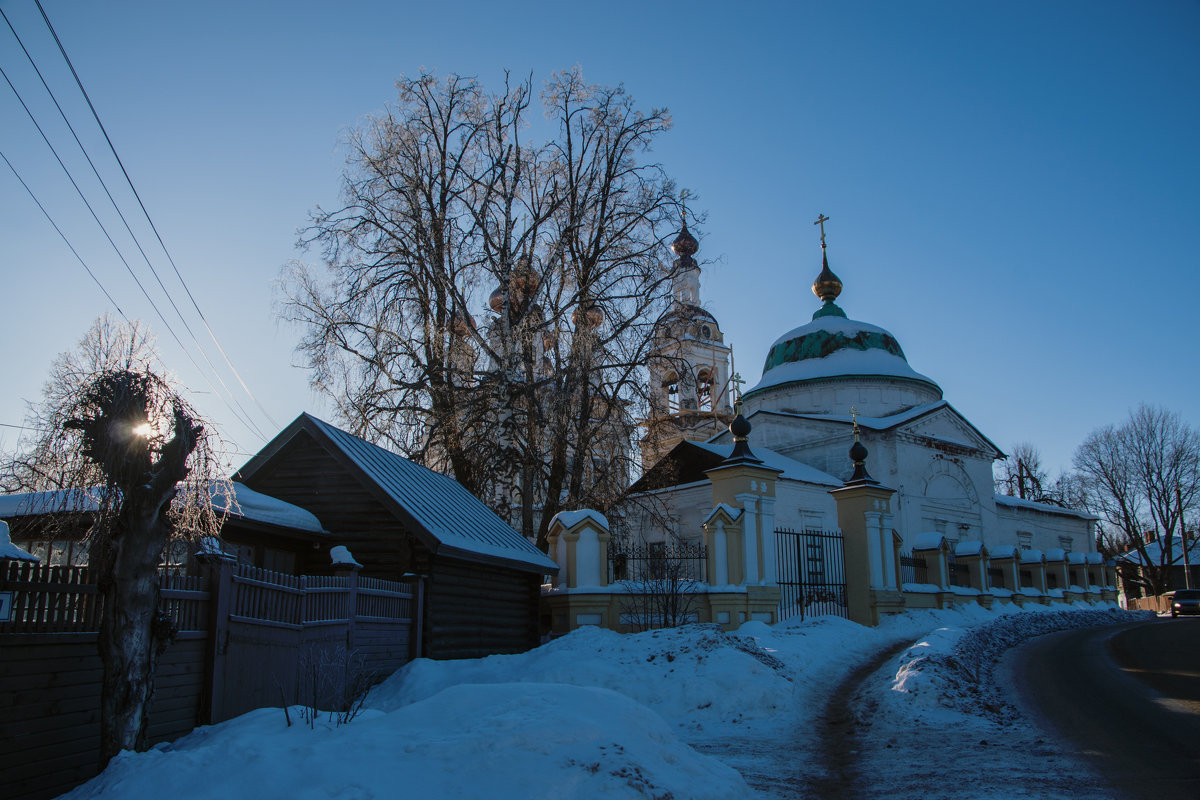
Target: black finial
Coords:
[(858, 455)]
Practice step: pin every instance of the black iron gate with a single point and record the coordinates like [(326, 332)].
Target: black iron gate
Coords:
[(812, 573)]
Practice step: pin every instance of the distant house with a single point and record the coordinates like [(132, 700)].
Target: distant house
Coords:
[(259, 530), (481, 578), (1131, 564)]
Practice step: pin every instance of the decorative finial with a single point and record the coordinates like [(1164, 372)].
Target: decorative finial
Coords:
[(858, 455), (685, 245), (821, 220), (827, 286)]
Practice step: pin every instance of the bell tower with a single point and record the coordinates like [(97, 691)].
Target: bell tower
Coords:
[(690, 365)]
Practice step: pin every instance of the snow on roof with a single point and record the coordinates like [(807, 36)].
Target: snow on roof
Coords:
[(929, 540), (732, 512), (34, 503), (1032, 557), (1095, 558), (1076, 558), (1045, 508), (250, 505), (789, 467), (1056, 554), (441, 505), (839, 364), (968, 548), (569, 519), (1004, 551), (257, 507), (10, 550), (1155, 555)]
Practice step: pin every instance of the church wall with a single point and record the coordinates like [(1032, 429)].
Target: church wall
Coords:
[(1046, 531), (686, 508)]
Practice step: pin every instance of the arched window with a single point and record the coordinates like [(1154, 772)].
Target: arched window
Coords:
[(671, 390), (705, 332), (704, 390)]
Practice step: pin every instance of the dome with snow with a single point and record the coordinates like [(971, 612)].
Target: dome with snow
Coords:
[(833, 362)]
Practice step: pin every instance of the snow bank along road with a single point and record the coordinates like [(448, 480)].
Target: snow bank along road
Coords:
[(1144, 733), (686, 713)]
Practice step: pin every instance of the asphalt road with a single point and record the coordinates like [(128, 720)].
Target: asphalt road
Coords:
[(1125, 698)]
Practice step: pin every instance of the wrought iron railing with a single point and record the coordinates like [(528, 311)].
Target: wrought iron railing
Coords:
[(913, 569), (657, 561)]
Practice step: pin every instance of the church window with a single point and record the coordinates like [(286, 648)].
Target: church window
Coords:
[(705, 332), (1065, 543), (1025, 540), (704, 390), (671, 389)]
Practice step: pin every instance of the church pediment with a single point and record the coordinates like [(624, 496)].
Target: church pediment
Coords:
[(945, 430)]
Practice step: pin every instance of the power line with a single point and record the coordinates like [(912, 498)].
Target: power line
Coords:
[(124, 221), (245, 420), (146, 213), (64, 237)]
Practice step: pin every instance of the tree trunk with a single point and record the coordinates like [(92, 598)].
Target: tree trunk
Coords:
[(129, 642)]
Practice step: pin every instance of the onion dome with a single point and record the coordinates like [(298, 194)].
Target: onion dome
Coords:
[(462, 324), (587, 315), (685, 247), (827, 287), (496, 299), (524, 280)]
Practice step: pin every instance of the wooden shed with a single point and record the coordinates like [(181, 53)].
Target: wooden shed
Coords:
[(481, 578)]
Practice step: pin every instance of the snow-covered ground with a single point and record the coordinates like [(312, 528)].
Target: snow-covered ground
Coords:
[(684, 713)]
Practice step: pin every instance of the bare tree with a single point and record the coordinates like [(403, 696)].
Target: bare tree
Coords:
[(1021, 473), (1141, 478), (107, 346), (131, 457), (531, 408)]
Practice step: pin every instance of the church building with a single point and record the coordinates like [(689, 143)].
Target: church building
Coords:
[(818, 380)]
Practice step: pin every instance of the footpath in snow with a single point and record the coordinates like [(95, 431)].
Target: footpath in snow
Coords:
[(690, 712)]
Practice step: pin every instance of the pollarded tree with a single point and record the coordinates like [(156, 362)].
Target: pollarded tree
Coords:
[(134, 459), (446, 203), (1142, 477), (34, 466)]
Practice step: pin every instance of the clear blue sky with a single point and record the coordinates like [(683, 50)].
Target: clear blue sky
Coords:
[(1013, 187)]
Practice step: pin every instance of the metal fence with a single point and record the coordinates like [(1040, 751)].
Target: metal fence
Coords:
[(913, 569), (657, 561), (812, 573)]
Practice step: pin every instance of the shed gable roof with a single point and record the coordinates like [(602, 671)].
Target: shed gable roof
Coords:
[(447, 517)]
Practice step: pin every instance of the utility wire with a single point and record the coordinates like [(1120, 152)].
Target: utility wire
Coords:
[(124, 221), (153, 227), (249, 423), (70, 246)]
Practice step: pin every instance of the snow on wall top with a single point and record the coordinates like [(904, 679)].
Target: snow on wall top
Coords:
[(1056, 554), (732, 512), (929, 540), (1032, 557), (968, 548), (10, 550), (1045, 508), (569, 519), (441, 505)]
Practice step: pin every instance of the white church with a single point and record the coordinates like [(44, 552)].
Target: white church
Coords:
[(817, 380)]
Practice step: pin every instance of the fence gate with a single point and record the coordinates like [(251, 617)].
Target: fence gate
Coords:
[(812, 573)]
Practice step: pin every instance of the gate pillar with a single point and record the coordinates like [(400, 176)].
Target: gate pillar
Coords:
[(865, 516)]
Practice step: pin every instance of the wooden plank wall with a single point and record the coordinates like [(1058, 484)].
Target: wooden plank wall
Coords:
[(50, 692), (475, 610), (49, 713)]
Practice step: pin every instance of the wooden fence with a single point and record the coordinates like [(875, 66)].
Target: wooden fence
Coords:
[(247, 638)]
